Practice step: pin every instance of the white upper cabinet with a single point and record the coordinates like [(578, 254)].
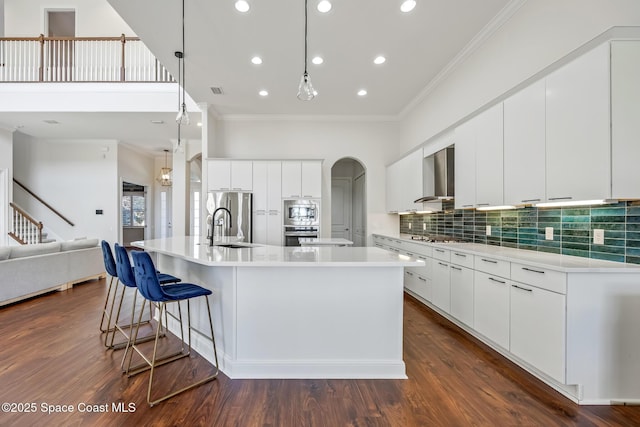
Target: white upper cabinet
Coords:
[(394, 184), (260, 187), (489, 157), (625, 122), (465, 165), (301, 179), (311, 179), (578, 144), (230, 175), (524, 146), (404, 183)]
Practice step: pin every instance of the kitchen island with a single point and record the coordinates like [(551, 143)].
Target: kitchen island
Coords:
[(294, 312)]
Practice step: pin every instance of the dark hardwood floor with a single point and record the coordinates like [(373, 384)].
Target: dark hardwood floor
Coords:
[(51, 353)]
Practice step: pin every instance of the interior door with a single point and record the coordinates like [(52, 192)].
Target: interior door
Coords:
[(341, 208)]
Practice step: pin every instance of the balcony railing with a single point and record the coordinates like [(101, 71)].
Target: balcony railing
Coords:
[(79, 59)]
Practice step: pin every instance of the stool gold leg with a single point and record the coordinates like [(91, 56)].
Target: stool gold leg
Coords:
[(104, 310)]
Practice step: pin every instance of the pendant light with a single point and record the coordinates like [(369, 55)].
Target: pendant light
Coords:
[(165, 173), (183, 116), (305, 88)]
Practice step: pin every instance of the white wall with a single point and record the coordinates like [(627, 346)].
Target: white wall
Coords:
[(372, 143), (2, 18), (94, 18), (539, 34), (6, 186), (76, 178)]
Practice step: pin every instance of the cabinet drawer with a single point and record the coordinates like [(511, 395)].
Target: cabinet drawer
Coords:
[(554, 281), (493, 266), (417, 248), (442, 254), (462, 259)]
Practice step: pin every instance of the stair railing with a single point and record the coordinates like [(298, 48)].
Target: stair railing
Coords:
[(25, 229)]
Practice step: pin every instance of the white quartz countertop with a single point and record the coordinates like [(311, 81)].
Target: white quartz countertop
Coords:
[(564, 263), (197, 249)]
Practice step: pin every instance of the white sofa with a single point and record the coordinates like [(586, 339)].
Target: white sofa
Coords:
[(30, 270)]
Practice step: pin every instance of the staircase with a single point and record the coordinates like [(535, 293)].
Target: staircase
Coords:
[(24, 229)]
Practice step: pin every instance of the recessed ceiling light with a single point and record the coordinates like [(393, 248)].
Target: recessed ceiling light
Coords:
[(379, 60), (317, 60), (51, 122), (256, 60), (157, 122), (407, 5), (362, 92), (324, 6), (242, 6), (263, 93)]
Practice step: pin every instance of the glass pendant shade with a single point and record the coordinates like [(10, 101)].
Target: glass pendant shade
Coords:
[(183, 116), (305, 89)]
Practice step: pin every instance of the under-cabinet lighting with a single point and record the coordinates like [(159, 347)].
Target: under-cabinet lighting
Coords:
[(495, 208), (424, 212), (573, 203)]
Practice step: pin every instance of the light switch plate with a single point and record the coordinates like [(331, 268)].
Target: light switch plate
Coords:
[(598, 236), (548, 233), (488, 230)]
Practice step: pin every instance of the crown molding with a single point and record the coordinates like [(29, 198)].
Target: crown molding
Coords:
[(494, 25)]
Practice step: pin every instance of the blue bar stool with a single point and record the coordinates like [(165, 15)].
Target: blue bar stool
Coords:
[(110, 268), (150, 288), (126, 277)]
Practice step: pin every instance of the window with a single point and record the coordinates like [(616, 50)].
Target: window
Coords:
[(133, 210)]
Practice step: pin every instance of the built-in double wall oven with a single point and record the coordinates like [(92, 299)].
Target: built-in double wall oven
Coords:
[(301, 219)]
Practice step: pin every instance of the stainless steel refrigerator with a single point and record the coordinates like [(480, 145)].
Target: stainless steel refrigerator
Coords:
[(239, 206)]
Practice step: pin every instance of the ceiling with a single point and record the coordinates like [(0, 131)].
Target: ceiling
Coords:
[(220, 42)]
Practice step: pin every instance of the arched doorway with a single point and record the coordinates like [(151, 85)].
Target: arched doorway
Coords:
[(348, 201)]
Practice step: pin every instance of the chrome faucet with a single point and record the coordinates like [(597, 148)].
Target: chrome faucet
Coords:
[(213, 216)]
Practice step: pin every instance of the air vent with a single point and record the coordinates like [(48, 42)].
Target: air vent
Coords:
[(216, 90)]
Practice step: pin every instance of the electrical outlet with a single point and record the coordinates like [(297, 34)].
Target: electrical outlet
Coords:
[(548, 233), (488, 230), (598, 236)]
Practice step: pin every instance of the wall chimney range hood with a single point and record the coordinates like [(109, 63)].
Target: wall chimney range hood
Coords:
[(438, 174)]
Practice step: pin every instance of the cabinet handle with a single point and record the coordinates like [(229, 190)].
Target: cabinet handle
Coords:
[(443, 264), (524, 289), (378, 245), (410, 254), (482, 204), (440, 250), (530, 200), (489, 260), (467, 206), (456, 268), (237, 188), (532, 270), (422, 278), (307, 195), (409, 273), (422, 258), (295, 195), (496, 280), (561, 198), (457, 254)]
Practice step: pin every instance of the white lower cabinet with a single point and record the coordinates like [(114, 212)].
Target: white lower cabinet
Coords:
[(441, 285), (461, 279), (491, 307), (538, 328)]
